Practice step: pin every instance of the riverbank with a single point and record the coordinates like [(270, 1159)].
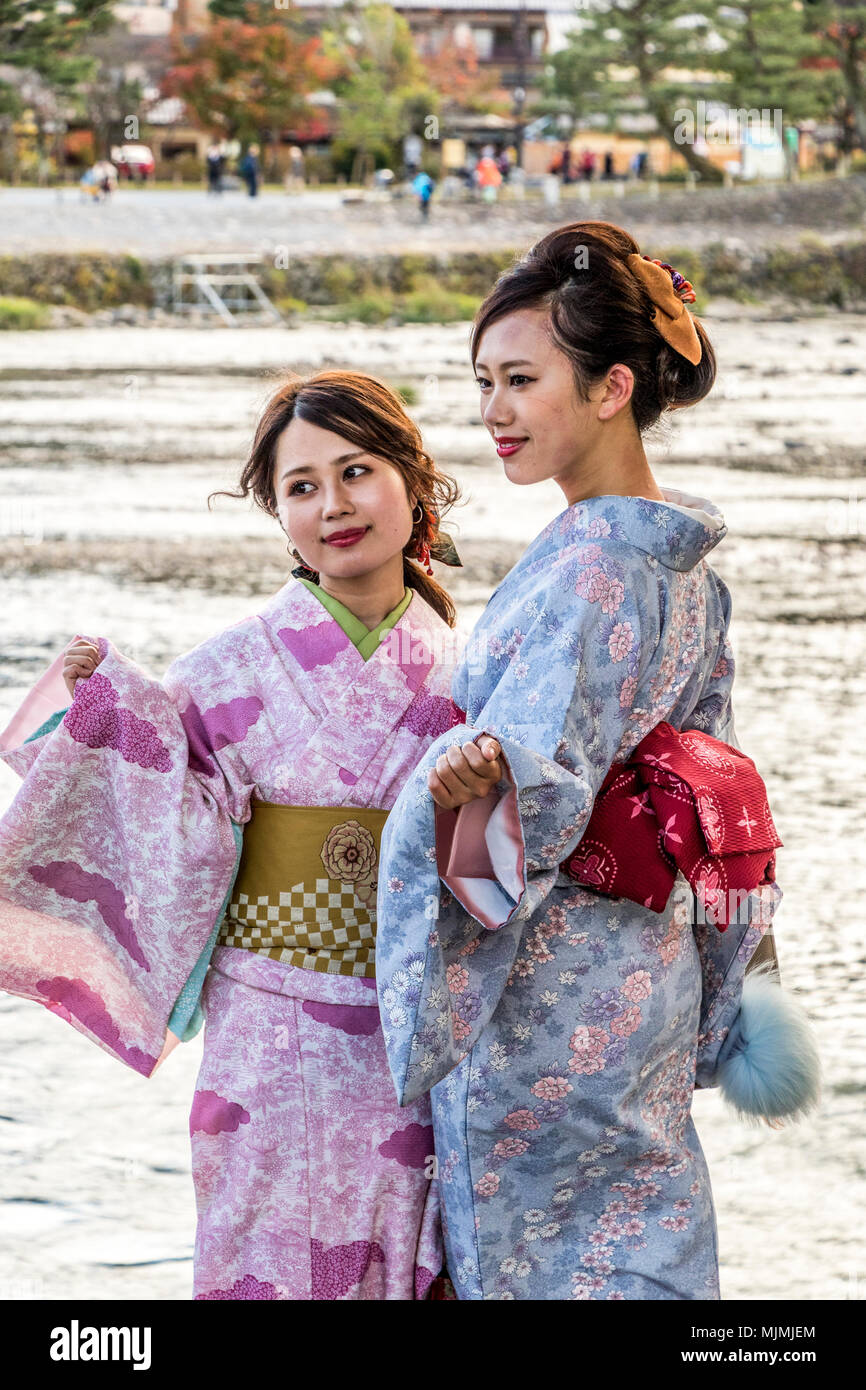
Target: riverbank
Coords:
[(801, 244)]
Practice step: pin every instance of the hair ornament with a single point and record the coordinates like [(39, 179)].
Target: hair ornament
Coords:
[(670, 292)]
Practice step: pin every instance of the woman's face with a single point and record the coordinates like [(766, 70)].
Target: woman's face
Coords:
[(528, 393), (325, 485)]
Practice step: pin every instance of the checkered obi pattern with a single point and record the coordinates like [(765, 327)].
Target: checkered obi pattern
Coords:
[(305, 892)]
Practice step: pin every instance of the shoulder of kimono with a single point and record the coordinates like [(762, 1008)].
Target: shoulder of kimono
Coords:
[(422, 619), (619, 561), (217, 655)]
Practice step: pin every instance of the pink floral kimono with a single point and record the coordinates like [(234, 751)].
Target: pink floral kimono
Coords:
[(118, 858)]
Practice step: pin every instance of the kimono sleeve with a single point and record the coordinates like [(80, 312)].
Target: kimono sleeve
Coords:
[(444, 955), (117, 856), (38, 716)]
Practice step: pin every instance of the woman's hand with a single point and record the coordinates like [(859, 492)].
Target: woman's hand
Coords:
[(462, 774), (81, 660)]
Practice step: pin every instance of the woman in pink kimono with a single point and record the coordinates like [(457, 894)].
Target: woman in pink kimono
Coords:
[(229, 816)]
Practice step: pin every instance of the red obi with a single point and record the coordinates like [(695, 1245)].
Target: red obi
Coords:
[(682, 801)]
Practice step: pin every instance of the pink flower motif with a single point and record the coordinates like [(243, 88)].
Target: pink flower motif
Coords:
[(613, 598), (709, 887), (458, 979), (621, 641), (710, 820), (470, 948), (626, 1023), (521, 1119), (460, 1028), (585, 1066), (395, 885), (632, 1226), (510, 1148), (555, 923), (488, 1185), (669, 948), (638, 986), (674, 1223), (592, 584), (588, 553), (538, 950), (551, 1088), (588, 1041), (598, 527), (627, 692)]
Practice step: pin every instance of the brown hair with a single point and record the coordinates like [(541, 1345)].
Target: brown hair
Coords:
[(367, 412), (599, 315)]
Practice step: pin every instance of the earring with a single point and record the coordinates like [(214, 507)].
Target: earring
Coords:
[(423, 543)]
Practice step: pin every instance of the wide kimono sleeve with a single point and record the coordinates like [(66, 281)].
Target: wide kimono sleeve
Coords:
[(560, 710), (117, 856)]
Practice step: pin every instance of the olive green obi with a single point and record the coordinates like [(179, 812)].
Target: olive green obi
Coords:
[(305, 891)]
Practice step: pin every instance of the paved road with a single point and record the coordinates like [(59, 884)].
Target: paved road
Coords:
[(158, 223)]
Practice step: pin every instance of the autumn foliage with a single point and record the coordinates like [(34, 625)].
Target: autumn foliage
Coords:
[(248, 80)]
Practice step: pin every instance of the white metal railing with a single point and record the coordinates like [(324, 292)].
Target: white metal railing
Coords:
[(211, 276)]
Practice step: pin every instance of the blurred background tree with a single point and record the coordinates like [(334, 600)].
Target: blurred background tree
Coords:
[(658, 57), (247, 78)]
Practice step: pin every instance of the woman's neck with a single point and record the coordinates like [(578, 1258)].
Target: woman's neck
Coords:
[(629, 476), (370, 597)]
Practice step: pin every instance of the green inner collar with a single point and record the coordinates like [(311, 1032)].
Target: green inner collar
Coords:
[(365, 639)]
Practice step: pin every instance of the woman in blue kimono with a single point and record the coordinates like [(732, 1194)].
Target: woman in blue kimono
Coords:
[(563, 1032)]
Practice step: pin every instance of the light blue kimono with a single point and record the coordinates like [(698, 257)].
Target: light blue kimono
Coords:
[(563, 1032)]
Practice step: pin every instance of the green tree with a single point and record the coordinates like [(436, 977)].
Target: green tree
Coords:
[(841, 28), (380, 85), (772, 60), (46, 41), (49, 36), (661, 56)]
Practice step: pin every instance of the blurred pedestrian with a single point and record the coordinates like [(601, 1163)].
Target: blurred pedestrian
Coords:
[(249, 170), (608, 165), (215, 163), (488, 178), (423, 186), (587, 166), (296, 179)]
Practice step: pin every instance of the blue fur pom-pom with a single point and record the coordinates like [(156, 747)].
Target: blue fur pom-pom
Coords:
[(769, 1066)]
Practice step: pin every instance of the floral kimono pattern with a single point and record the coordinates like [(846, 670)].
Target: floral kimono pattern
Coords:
[(562, 1032), (117, 860)]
